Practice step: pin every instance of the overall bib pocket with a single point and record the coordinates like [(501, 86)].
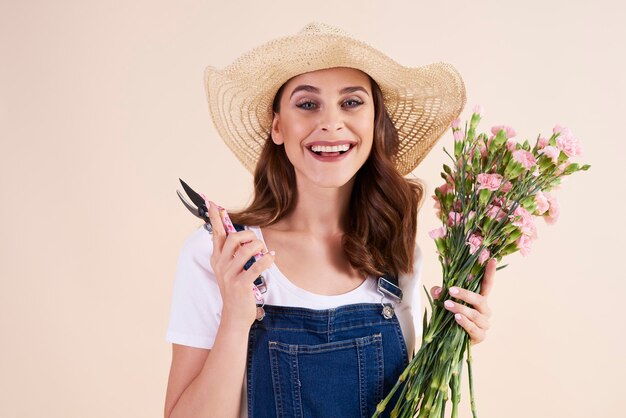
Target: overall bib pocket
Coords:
[(340, 378)]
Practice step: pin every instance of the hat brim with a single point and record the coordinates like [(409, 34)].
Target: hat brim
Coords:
[(422, 102)]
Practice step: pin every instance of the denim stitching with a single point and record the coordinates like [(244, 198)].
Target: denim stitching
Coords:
[(362, 380), (321, 313), (297, 400), (325, 347), (381, 369), (278, 399), (250, 374)]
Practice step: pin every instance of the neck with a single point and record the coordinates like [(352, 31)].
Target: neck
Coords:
[(320, 211)]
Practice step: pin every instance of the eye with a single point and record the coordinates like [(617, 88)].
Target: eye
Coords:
[(306, 105), (352, 103)]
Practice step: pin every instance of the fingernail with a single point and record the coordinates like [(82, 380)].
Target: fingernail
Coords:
[(272, 253), (449, 304), (457, 317), (454, 290), (437, 291)]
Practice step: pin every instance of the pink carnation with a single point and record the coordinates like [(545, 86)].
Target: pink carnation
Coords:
[(496, 212), (525, 158), (542, 203), (570, 146), (566, 141), (454, 218), (492, 182), (522, 219), (445, 188), (437, 207), (478, 109), (456, 123), (523, 244), (553, 211), (475, 241), (551, 152), (483, 256), (511, 145), (438, 233), (458, 136), (510, 132)]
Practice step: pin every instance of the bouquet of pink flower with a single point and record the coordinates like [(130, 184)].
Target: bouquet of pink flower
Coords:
[(491, 195)]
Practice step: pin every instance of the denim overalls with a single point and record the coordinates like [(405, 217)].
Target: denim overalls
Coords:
[(323, 363)]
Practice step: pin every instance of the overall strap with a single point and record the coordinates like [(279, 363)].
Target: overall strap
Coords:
[(388, 285)]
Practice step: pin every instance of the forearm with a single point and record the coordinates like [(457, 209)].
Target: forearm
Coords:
[(216, 391)]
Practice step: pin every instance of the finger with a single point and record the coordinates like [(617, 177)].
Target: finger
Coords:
[(233, 243), (228, 225), (478, 319), (243, 254), (258, 267), (476, 334), (489, 279), (219, 233), (477, 301), (435, 292)]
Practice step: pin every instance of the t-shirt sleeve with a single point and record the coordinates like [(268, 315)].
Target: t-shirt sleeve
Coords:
[(413, 285), (196, 300)]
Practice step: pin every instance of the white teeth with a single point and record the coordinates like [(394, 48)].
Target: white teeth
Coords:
[(334, 148)]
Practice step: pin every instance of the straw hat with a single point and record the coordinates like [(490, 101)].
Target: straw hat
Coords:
[(422, 102)]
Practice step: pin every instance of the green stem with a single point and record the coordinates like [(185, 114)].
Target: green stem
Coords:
[(471, 376)]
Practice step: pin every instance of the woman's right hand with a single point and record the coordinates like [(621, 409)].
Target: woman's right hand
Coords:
[(230, 254)]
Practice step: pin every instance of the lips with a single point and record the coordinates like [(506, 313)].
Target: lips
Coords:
[(330, 151), (330, 148)]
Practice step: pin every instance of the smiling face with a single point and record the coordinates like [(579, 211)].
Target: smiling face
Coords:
[(326, 124)]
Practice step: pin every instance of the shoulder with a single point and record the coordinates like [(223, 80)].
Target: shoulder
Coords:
[(197, 248)]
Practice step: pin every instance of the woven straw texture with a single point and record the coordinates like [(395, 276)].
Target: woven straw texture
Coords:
[(422, 102)]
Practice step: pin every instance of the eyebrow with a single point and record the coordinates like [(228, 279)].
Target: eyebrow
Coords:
[(309, 88)]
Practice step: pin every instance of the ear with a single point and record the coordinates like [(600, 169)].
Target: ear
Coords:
[(277, 135)]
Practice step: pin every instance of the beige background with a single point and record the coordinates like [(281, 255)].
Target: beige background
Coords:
[(102, 110)]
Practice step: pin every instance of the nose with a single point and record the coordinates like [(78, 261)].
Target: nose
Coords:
[(331, 119)]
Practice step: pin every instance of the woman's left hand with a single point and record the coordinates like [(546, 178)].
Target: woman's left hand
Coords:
[(475, 318)]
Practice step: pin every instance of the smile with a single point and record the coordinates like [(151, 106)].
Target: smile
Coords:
[(329, 153)]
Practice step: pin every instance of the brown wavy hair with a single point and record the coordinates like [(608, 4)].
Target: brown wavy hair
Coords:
[(380, 232)]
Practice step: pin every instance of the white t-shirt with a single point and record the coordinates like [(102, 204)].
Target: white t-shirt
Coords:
[(197, 304)]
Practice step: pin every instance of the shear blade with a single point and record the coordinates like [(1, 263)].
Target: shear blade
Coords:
[(195, 197), (188, 205)]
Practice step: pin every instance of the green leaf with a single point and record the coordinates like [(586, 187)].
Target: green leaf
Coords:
[(430, 300)]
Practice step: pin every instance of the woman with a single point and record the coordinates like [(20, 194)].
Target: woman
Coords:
[(330, 126)]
